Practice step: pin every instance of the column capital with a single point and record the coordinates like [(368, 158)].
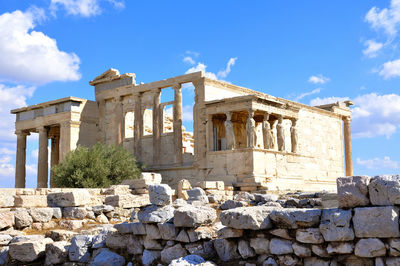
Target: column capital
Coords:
[(251, 112), (347, 119), (266, 116), (22, 133), (42, 129), (177, 86), (70, 123)]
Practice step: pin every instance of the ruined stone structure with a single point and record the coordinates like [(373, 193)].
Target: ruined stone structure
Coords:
[(240, 136)]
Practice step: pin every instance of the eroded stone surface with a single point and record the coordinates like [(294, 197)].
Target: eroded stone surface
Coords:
[(376, 222), (353, 191), (190, 216), (253, 218)]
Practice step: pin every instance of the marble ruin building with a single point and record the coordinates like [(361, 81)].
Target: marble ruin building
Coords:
[(240, 136)]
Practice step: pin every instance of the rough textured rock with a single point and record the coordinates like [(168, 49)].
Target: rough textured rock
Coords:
[(376, 222), (167, 231), (320, 251), (22, 219), (231, 204), (309, 235), (315, 261), (335, 225), (270, 262), (385, 190), (394, 247), (71, 224), (197, 194), (170, 253), (295, 218), (391, 262), (152, 231), (6, 220), (202, 232), (30, 250), (254, 218), (190, 216), (353, 191), (260, 245), (340, 248), (160, 194), (6, 200), (128, 200), (370, 247), (116, 240), (108, 258), (280, 246), (281, 232), (245, 250), (4, 255), (156, 214), (69, 199), (41, 215), (227, 232), (57, 213), (150, 256), (79, 248), (138, 228), (74, 212), (300, 250), (135, 245), (183, 185), (57, 252), (5, 240), (60, 235), (226, 249)]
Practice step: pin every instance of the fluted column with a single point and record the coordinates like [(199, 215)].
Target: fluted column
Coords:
[(43, 165), (177, 112), (347, 146), (55, 156), (20, 162), (156, 127), (138, 125)]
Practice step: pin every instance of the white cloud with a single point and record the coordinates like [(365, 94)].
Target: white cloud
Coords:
[(378, 163), (188, 59), (193, 54), (390, 69), (305, 94), (84, 8), (224, 73), (372, 48), (187, 113), (31, 56), (321, 101), (318, 79), (387, 19), (373, 114)]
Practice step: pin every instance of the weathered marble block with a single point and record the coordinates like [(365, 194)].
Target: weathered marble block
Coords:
[(376, 222), (353, 191)]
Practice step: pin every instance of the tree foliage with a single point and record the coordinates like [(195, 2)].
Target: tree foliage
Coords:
[(100, 166)]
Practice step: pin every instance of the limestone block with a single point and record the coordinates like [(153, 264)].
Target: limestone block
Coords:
[(135, 245), (260, 245), (4, 255), (280, 246), (42, 215), (385, 190), (226, 249), (199, 233), (71, 224), (227, 232), (197, 194), (353, 191), (128, 201), (340, 248), (167, 231), (309, 236), (75, 198), (369, 248), (102, 219), (191, 260), (320, 251), (155, 178), (190, 216), (108, 258), (116, 240), (313, 261), (376, 222), (183, 185), (22, 219), (6, 200), (99, 240), (124, 228), (74, 212), (57, 213), (183, 236), (281, 232), (117, 190), (30, 250), (28, 201), (79, 248), (244, 196), (5, 240), (150, 256), (335, 225), (207, 184), (391, 262), (264, 198), (138, 228), (60, 235), (245, 250), (56, 252), (270, 262), (152, 231), (204, 249), (295, 218), (231, 204), (254, 218), (394, 247), (6, 220), (170, 253), (301, 251), (156, 214), (160, 194)]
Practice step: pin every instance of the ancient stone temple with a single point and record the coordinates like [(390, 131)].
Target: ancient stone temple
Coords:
[(243, 137)]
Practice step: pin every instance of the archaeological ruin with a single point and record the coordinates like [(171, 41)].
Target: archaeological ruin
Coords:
[(245, 138)]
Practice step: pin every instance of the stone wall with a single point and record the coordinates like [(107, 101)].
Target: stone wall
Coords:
[(251, 229)]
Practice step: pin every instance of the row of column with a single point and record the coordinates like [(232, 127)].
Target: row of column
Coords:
[(269, 135)]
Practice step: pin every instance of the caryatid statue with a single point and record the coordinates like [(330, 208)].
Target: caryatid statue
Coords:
[(280, 134), (268, 137), (229, 133), (251, 130), (293, 135)]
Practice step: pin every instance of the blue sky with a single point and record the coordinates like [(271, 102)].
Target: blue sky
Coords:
[(309, 51)]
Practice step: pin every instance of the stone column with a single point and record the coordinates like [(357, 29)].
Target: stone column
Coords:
[(177, 113), (280, 132), (347, 146), (118, 120), (293, 135), (138, 125), (69, 137), (251, 130), (156, 127), (229, 132), (43, 165), (102, 127), (55, 156), (20, 168)]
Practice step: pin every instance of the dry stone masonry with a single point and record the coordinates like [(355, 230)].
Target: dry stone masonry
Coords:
[(189, 226)]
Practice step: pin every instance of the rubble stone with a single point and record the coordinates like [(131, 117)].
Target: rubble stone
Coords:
[(376, 222), (254, 218), (69, 199), (295, 218), (385, 190), (56, 252), (369, 248), (353, 191), (156, 214), (190, 216)]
